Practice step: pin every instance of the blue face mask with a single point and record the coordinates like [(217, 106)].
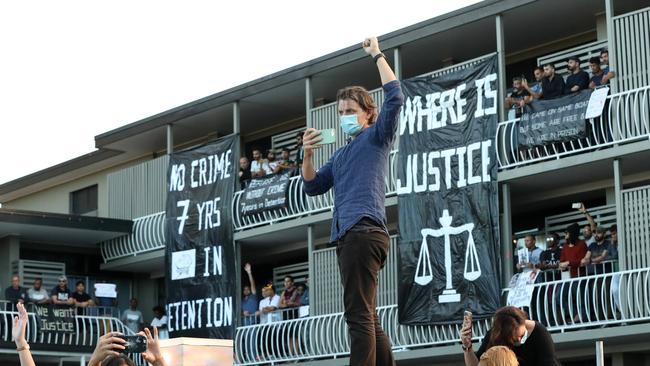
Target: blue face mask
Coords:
[(350, 125)]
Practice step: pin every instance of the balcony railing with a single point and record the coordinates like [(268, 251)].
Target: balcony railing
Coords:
[(625, 119), (299, 203), (148, 235), (83, 341), (595, 301)]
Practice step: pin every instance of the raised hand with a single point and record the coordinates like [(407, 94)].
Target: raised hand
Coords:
[(153, 354), (247, 268), (107, 345), (371, 46), (20, 326), (310, 139)]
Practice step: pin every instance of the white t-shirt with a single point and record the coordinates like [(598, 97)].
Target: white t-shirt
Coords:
[(263, 165), (270, 317), (272, 165), (162, 333)]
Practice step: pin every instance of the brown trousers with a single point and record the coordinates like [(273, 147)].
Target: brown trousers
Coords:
[(361, 255)]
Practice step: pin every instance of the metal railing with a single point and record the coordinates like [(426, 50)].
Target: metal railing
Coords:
[(326, 336), (594, 301), (625, 119), (631, 38), (103, 311), (298, 203), (83, 341), (148, 235)]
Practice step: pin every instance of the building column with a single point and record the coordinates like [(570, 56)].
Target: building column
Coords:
[(620, 224), (310, 259), (506, 237), (170, 139), (309, 100), (397, 60), (238, 282), (9, 253), (236, 127), (611, 41), (501, 64)]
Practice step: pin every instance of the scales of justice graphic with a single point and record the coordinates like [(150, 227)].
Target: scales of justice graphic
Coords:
[(423, 271)]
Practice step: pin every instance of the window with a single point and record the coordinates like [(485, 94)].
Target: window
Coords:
[(84, 201)]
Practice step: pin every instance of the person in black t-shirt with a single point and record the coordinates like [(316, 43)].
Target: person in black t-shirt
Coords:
[(552, 84), (16, 293), (81, 298), (60, 295), (529, 340), (518, 97), (578, 79), (244, 172)]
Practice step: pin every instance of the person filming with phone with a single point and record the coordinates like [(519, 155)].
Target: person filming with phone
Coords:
[(529, 340), (357, 174)]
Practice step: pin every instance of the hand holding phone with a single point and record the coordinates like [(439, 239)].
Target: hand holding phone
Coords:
[(134, 344)]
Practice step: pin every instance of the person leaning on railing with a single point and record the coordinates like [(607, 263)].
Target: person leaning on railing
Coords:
[(529, 340)]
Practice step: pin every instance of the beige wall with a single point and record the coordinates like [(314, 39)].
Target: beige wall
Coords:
[(57, 199)]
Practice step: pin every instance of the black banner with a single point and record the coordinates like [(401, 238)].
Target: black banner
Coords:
[(554, 120), (56, 319), (266, 193), (200, 256), (447, 195)]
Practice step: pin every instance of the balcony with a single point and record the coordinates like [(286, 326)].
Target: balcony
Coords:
[(80, 343), (605, 300)]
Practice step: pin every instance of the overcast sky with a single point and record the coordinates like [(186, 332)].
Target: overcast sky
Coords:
[(70, 70)]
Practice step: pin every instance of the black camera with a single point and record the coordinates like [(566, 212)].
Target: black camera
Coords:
[(134, 344)]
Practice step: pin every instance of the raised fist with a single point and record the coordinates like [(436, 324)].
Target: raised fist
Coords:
[(371, 46)]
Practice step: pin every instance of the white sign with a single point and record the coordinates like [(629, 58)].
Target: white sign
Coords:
[(521, 288), (596, 102), (105, 290), (183, 264)]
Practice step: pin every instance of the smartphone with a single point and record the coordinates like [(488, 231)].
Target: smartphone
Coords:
[(328, 136), (576, 205), (134, 344), (467, 318)]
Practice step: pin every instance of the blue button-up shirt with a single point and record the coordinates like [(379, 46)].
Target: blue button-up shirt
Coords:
[(358, 170)]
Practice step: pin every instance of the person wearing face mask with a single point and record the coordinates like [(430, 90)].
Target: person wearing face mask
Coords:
[(357, 173), (529, 340)]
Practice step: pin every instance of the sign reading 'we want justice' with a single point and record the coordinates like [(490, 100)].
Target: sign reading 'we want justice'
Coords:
[(200, 257)]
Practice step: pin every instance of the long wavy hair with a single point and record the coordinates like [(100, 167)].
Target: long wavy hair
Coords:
[(504, 323), (360, 95)]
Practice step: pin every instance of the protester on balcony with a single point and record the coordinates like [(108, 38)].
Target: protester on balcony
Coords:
[(15, 293), (60, 294), (597, 73), (105, 297), (288, 296), (268, 305), (249, 304), (517, 98), (37, 294), (550, 258), (604, 64), (110, 345), (588, 230), (244, 172), (357, 172), (573, 250), (535, 89), (132, 317), (534, 252), (597, 253), (552, 84), (81, 299), (272, 162), (498, 356), (302, 292), (18, 332), (578, 79), (300, 152), (529, 340), (160, 321), (259, 165), (285, 163)]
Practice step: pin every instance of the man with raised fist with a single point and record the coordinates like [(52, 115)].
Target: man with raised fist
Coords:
[(357, 173)]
